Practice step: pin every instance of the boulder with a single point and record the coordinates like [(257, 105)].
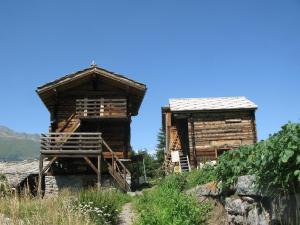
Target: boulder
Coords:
[(207, 190), (245, 186), (258, 216), (236, 206)]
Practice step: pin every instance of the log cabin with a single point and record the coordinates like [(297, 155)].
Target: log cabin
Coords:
[(89, 133), (198, 130)]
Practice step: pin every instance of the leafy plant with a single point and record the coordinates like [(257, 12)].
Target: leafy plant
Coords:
[(278, 160), (167, 204), (235, 163), (275, 162)]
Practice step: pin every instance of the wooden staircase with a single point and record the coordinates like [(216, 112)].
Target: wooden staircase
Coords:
[(118, 170), (116, 167)]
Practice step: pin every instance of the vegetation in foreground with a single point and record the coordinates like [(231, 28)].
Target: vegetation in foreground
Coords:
[(275, 162), (88, 207), (168, 204)]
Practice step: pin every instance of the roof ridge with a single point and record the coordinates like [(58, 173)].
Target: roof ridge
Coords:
[(208, 97), (86, 70)]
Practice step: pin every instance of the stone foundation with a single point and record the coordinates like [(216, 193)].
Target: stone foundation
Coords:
[(244, 205), (53, 184)]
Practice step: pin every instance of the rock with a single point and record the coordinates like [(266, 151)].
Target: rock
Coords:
[(248, 199), (236, 206), (236, 220), (258, 216), (245, 186), (285, 209), (209, 189)]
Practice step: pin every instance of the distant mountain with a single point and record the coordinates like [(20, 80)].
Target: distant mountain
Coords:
[(18, 146)]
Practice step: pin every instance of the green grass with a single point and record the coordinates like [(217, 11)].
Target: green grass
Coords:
[(203, 176), (47, 211), (88, 207), (167, 204)]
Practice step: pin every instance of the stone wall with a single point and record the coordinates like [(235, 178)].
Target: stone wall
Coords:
[(52, 184), (245, 205)]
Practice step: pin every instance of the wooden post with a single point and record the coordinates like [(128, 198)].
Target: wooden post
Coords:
[(194, 142), (113, 163), (99, 173), (85, 111), (40, 175)]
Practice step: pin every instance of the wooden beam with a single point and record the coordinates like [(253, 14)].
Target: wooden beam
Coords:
[(49, 164), (91, 164), (40, 175), (71, 152), (99, 173)]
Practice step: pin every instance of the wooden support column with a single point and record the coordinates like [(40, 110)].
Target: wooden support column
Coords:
[(99, 173), (96, 170), (193, 141), (40, 175)]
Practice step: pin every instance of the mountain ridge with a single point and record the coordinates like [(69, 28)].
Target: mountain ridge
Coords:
[(15, 146)]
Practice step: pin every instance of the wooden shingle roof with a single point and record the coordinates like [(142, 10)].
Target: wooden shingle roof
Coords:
[(135, 90), (86, 72)]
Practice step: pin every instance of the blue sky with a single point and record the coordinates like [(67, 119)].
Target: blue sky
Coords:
[(178, 48)]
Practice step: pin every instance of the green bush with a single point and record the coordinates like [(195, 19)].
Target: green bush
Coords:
[(275, 162), (278, 160), (104, 206), (202, 176), (167, 204), (235, 163)]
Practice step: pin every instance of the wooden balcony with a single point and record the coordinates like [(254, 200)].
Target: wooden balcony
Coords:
[(101, 108), (71, 144)]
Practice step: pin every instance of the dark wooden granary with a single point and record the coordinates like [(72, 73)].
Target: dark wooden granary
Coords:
[(199, 129), (90, 123)]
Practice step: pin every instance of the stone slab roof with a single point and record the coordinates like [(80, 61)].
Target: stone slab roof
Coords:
[(17, 172), (208, 104)]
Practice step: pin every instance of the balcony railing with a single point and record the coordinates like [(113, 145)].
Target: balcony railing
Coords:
[(101, 108), (71, 143)]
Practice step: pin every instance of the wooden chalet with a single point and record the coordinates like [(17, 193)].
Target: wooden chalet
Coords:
[(198, 130), (90, 113)]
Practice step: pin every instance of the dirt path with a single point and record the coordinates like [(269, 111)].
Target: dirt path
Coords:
[(127, 215)]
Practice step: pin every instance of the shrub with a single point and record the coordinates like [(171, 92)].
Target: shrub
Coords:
[(166, 204), (278, 161), (202, 176), (275, 162), (235, 163), (103, 207)]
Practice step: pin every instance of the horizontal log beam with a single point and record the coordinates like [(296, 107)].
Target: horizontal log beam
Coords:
[(70, 152)]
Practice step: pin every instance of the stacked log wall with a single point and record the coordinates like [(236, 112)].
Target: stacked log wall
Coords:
[(116, 132), (209, 131)]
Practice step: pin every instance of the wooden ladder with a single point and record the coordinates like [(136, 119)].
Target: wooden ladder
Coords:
[(184, 163), (118, 170)]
